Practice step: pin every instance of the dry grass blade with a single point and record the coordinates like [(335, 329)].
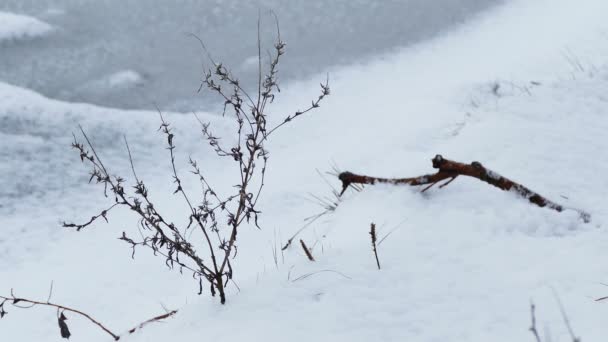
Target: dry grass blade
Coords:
[(307, 275)]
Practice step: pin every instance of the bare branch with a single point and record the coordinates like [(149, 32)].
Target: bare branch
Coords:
[(450, 170)]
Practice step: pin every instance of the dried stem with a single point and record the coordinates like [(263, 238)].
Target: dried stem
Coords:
[(372, 233), (306, 251)]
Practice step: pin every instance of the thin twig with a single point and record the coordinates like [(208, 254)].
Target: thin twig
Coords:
[(533, 329), (152, 320), (306, 251), (304, 276), (16, 300)]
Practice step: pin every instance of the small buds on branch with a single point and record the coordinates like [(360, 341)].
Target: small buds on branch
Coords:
[(449, 170), (325, 91)]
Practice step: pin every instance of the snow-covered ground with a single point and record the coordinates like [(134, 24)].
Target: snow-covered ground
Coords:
[(521, 89), (15, 27)]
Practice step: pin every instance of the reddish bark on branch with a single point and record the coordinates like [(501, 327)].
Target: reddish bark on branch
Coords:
[(449, 170)]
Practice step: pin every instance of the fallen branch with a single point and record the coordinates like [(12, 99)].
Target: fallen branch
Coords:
[(61, 310), (449, 170)]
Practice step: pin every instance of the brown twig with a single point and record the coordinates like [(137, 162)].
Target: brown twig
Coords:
[(306, 251), (448, 169), (372, 233)]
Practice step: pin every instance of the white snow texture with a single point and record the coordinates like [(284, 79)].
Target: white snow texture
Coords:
[(522, 89)]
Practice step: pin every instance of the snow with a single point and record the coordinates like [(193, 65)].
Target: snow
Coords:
[(15, 27), (124, 78), (461, 263)]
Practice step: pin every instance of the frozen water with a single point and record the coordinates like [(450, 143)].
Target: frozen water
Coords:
[(97, 38)]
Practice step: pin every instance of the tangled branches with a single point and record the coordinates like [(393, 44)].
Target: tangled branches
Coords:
[(212, 262)]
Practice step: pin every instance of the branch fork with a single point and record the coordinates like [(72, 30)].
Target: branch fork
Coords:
[(449, 170)]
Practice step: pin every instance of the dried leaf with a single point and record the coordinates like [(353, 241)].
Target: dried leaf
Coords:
[(63, 327)]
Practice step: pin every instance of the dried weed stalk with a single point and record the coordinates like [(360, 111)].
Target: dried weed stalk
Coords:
[(372, 233), (217, 218)]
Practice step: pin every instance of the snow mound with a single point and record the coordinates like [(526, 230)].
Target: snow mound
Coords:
[(15, 27)]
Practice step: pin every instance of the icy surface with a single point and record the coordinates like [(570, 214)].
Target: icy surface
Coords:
[(460, 264), (152, 38), (15, 27)]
